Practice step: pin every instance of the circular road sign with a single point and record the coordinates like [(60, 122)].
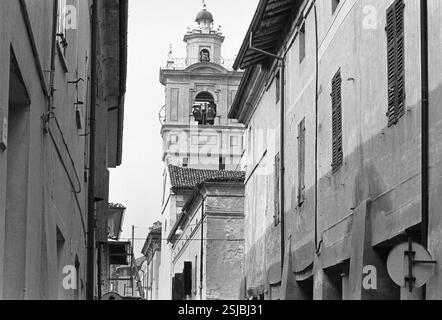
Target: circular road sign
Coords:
[(398, 264)]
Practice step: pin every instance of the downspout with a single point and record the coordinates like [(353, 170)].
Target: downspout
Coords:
[(91, 186), (202, 245), (317, 242), (99, 294), (53, 53), (281, 59), (282, 164), (425, 122)]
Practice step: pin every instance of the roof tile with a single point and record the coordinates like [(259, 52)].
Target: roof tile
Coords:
[(189, 178)]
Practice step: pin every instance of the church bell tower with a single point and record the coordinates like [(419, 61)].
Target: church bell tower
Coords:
[(200, 88)]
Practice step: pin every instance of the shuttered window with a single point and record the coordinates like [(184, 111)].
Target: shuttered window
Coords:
[(301, 162), (277, 186), (336, 96), (187, 272), (396, 62), (278, 87), (302, 43)]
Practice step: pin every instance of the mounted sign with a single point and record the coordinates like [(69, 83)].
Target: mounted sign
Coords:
[(410, 265)]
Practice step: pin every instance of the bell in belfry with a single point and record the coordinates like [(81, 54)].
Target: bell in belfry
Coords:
[(211, 113)]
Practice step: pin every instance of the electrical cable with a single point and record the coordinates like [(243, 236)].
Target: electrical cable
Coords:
[(51, 115)]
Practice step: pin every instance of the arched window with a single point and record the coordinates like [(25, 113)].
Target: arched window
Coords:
[(204, 55), (204, 108)]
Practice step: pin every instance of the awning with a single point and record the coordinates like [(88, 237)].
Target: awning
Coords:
[(269, 26)]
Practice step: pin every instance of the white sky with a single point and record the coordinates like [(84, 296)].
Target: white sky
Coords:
[(153, 26)]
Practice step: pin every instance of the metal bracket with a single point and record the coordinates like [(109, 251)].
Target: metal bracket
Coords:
[(411, 254)]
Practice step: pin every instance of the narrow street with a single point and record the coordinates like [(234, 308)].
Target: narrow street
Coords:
[(220, 151)]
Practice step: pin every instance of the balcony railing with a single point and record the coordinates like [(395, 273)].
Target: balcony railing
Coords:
[(183, 63)]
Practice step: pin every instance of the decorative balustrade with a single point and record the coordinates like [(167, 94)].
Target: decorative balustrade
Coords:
[(183, 63)]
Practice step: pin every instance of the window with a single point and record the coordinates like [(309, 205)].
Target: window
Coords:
[(173, 139), (187, 279), (396, 62), (249, 140), (185, 162), (301, 162), (278, 86), (335, 5), (60, 260), (77, 274), (302, 43), (337, 122), (277, 215), (204, 109)]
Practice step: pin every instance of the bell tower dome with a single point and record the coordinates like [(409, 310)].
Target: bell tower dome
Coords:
[(204, 19), (204, 42)]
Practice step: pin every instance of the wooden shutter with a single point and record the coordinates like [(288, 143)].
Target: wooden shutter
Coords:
[(278, 87), (276, 196), (396, 62), (187, 278), (301, 162), (178, 287), (337, 122)]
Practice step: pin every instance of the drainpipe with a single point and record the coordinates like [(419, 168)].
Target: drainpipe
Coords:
[(425, 122), (317, 242), (53, 53), (99, 294), (202, 245), (281, 59), (91, 186)]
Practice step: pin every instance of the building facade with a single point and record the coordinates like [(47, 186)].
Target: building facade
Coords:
[(338, 90), (196, 130), (208, 237), (152, 252), (45, 103)]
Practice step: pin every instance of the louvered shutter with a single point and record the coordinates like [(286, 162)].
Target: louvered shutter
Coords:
[(399, 7), (338, 154), (396, 62), (178, 287)]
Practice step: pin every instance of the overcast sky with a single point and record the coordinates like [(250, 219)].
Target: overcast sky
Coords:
[(153, 26)]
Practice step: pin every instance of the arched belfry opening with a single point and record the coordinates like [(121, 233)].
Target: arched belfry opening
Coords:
[(204, 55), (204, 108)]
